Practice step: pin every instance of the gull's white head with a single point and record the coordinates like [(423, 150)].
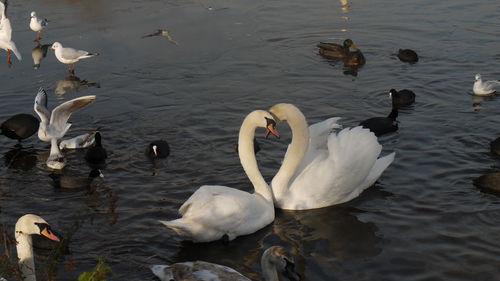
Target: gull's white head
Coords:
[(478, 77), (33, 14), (56, 46)]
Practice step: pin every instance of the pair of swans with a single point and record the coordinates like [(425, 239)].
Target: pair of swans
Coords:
[(320, 169)]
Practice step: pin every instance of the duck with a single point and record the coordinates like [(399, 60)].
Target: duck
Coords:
[(158, 149), (481, 88), (336, 51), (489, 182), (382, 125), (54, 125), (401, 98), (20, 126), (75, 182), (322, 166), (495, 146), (37, 25), (26, 226), (6, 42), (407, 55), (96, 154), (275, 261), (215, 212), (70, 56)]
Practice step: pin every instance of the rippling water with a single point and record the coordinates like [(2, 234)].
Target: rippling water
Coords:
[(423, 220)]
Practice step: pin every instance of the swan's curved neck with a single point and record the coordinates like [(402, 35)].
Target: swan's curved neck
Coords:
[(268, 269), (296, 150), (25, 255), (247, 158)]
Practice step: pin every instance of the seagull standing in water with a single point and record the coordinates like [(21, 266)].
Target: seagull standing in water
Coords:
[(54, 125), (6, 42), (37, 25), (481, 88), (70, 56)]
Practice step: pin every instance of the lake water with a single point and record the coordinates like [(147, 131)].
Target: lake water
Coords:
[(423, 219)]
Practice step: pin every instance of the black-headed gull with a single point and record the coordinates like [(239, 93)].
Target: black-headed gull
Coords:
[(54, 125), (6, 42), (81, 141), (70, 56), (37, 25), (485, 88)]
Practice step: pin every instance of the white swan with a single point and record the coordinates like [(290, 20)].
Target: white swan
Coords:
[(275, 259), (321, 168), (214, 212), (54, 125), (26, 226), (6, 42)]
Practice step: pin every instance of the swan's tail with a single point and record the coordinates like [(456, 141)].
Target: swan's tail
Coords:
[(179, 226), (380, 165)]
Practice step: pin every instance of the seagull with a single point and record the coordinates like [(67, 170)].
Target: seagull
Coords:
[(6, 42), (70, 56), (164, 33), (484, 88), (81, 141), (38, 53), (37, 25), (54, 125)]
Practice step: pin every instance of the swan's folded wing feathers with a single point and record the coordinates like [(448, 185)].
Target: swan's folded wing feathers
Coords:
[(218, 207), (61, 113)]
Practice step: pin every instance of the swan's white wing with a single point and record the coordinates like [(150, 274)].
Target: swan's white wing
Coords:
[(332, 176), (219, 207), (62, 112), (214, 211), (318, 132), (40, 106)]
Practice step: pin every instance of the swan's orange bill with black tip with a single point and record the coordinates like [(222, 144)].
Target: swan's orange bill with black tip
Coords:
[(47, 233)]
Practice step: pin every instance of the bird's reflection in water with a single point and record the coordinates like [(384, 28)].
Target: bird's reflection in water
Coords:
[(477, 100), (38, 53), (73, 84), (20, 158), (315, 237)]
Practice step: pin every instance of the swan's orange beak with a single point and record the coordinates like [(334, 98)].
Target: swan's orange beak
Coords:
[(47, 233), (272, 130)]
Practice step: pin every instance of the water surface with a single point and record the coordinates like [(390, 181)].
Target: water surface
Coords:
[(423, 220)]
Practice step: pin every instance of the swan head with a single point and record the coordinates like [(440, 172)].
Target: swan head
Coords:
[(271, 127), (281, 259), (33, 224), (33, 14), (478, 77)]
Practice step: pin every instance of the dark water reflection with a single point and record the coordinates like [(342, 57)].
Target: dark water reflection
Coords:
[(423, 220)]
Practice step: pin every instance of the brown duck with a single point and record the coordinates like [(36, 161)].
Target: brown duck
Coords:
[(343, 52)]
